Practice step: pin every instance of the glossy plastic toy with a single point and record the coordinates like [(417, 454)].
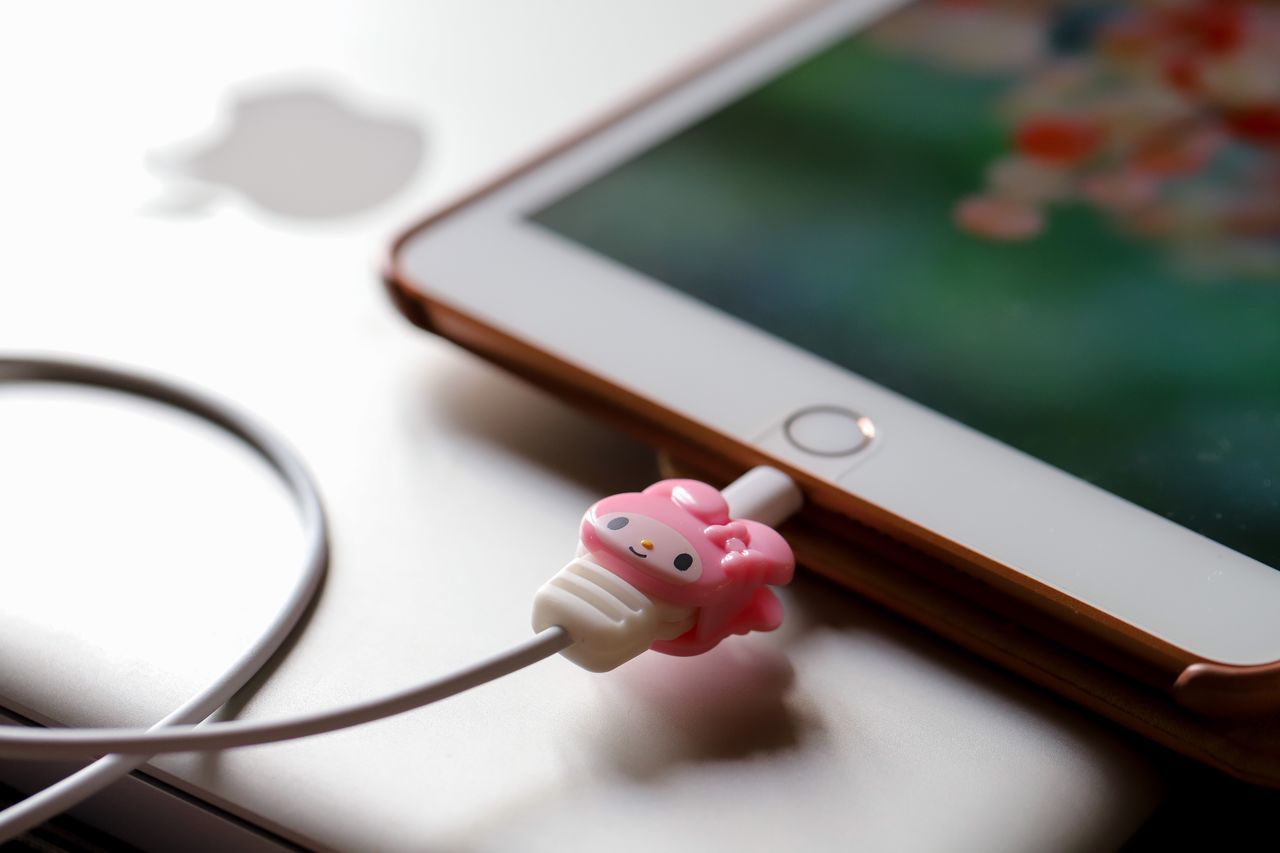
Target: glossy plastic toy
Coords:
[(667, 569)]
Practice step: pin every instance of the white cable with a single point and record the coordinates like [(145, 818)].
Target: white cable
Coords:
[(78, 743), (764, 492), (175, 733), (281, 457)]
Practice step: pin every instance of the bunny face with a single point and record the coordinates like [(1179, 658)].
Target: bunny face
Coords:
[(676, 543), (653, 547), (675, 540), (656, 539)]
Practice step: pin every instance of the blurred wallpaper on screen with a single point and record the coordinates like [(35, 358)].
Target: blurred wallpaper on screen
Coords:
[(1058, 223)]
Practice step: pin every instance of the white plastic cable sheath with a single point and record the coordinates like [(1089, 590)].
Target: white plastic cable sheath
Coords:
[(175, 733), (281, 457), (76, 743), (762, 492)]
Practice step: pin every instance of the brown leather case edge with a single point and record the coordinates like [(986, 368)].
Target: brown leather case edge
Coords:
[(1225, 689)]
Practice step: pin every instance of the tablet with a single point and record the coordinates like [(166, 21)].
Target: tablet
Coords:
[(1000, 281)]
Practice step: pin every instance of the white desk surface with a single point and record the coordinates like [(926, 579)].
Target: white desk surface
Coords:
[(846, 730)]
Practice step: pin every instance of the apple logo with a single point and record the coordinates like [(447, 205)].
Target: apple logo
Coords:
[(301, 152)]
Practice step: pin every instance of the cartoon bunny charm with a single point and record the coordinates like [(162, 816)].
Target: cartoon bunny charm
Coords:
[(667, 569)]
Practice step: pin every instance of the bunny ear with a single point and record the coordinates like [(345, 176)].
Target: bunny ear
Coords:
[(698, 499), (723, 534), (769, 555)]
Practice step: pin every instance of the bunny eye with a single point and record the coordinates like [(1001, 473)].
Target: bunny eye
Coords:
[(617, 523), (683, 562)]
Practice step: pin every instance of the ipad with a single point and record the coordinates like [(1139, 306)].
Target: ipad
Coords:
[(1000, 280)]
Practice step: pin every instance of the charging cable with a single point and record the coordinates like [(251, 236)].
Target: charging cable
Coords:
[(315, 527), (676, 568)]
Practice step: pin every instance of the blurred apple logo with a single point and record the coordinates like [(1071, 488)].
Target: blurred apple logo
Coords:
[(301, 152)]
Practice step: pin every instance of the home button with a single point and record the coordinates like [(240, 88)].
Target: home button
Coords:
[(829, 431)]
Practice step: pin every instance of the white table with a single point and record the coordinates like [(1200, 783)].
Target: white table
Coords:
[(846, 730)]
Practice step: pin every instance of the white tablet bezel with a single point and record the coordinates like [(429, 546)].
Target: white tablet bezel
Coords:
[(491, 262)]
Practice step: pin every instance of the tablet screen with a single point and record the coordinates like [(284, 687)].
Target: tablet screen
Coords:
[(1058, 223)]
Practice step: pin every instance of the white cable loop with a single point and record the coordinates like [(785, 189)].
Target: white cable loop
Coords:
[(177, 732)]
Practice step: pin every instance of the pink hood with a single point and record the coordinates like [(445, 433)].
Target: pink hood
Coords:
[(736, 558)]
